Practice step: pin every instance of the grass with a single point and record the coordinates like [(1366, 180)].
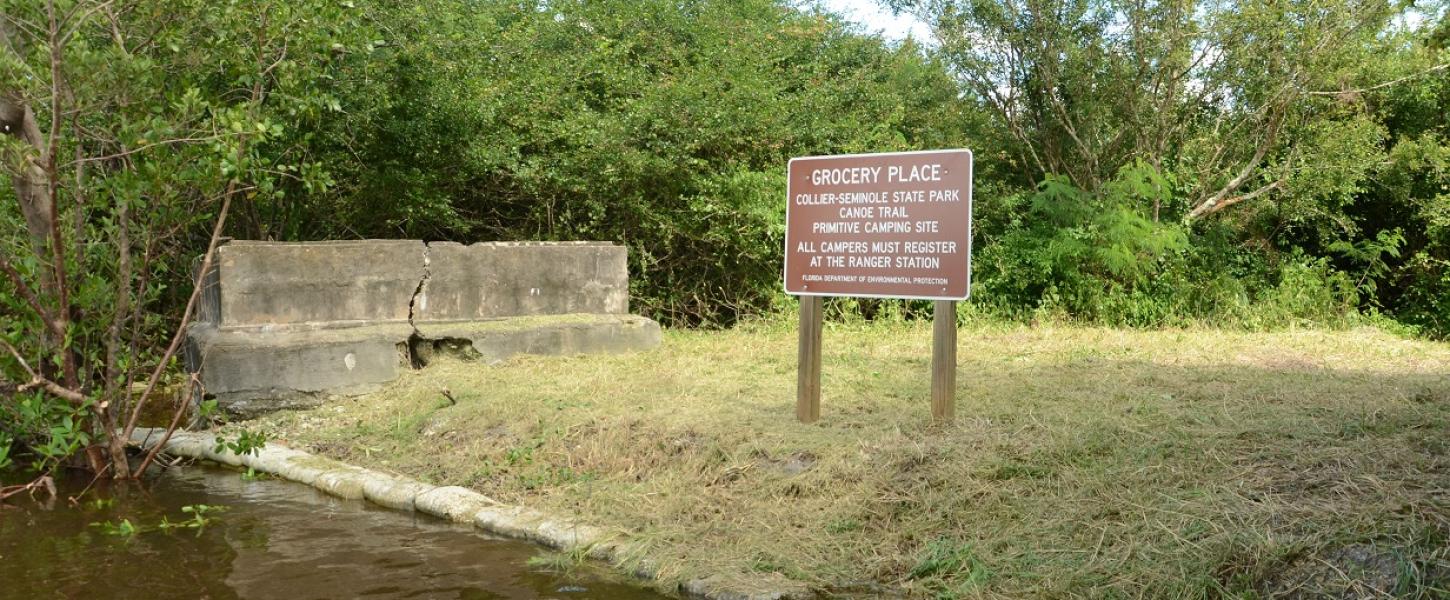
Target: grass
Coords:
[(1084, 462)]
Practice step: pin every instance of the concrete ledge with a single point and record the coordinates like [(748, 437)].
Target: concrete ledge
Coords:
[(499, 339), (460, 505), (251, 372), (393, 492), (453, 503)]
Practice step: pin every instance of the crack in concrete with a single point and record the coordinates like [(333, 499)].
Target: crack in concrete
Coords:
[(419, 350), (417, 303)]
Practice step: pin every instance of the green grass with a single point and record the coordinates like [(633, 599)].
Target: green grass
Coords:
[(1084, 462)]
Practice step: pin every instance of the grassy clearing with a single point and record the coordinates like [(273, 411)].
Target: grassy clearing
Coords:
[(1085, 462)]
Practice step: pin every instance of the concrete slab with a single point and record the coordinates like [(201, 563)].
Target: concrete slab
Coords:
[(287, 325), (276, 283), (495, 280)]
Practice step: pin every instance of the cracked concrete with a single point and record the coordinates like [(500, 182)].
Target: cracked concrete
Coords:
[(286, 325), (416, 349), (419, 301)]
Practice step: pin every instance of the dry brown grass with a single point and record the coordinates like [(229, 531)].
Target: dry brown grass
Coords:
[(1085, 462)]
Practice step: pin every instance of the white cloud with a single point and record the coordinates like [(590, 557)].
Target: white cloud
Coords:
[(876, 19)]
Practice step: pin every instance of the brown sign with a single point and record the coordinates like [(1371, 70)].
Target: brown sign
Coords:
[(895, 225)]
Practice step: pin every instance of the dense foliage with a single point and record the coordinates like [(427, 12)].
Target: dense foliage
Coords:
[(1237, 163), (1253, 163), (663, 125), (130, 129)]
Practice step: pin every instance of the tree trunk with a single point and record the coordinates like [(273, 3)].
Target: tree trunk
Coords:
[(32, 186)]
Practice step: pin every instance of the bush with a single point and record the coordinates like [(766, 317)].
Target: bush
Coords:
[(662, 125), (1425, 300), (1098, 257), (1102, 258)]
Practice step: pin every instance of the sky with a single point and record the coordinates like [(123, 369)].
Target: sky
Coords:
[(876, 19)]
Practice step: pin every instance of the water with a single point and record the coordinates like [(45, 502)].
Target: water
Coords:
[(275, 539)]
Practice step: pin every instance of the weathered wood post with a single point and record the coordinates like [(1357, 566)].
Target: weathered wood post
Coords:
[(944, 361), (808, 376)]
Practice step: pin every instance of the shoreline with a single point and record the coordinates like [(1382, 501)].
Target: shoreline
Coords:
[(452, 503)]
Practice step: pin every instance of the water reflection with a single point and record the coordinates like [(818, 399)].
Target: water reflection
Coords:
[(275, 540)]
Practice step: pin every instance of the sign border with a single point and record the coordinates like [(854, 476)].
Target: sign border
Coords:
[(971, 189)]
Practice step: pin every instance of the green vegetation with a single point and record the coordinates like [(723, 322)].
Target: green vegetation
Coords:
[(199, 517), (1197, 172), (662, 125), (131, 131), (1096, 462), (1277, 144)]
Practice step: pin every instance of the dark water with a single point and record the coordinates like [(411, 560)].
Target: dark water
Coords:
[(275, 539)]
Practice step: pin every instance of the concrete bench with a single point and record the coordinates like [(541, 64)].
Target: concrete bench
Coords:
[(283, 325)]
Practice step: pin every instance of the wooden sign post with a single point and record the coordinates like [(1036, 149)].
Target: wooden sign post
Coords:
[(896, 225), (943, 360), (808, 375)]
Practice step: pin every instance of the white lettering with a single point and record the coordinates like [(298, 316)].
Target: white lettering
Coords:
[(846, 176)]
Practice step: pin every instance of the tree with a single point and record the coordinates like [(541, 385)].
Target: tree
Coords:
[(133, 129), (659, 124), (1236, 100), (1395, 235)]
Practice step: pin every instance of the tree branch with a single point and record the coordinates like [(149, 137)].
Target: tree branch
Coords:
[(143, 147), (1211, 205), (181, 404), (1207, 210), (38, 381), (186, 314), (30, 297), (1439, 67)]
